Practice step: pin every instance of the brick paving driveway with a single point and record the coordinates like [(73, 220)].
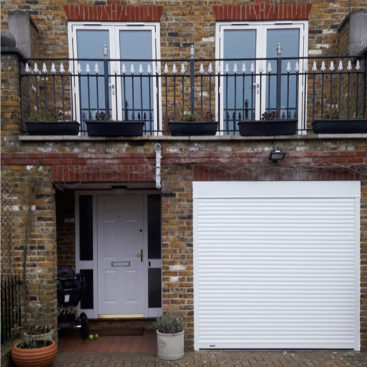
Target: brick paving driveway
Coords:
[(218, 359)]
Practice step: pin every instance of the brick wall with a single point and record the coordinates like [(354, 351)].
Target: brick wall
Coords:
[(39, 245), (182, 22), (65, 225), (183, 162)]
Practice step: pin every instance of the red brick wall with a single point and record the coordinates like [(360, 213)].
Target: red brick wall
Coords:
[(65, 228)]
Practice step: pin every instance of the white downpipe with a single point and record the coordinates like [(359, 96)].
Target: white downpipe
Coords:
[(158, 157)]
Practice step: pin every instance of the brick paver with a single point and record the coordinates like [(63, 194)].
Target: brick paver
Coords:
[(218, 359), (140, 351)]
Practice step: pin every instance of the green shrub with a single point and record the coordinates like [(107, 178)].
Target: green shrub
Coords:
[(169, 324)]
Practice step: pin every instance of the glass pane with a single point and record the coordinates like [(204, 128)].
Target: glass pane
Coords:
[(239, 97), (289, 40), (154, 226), (87, 295), (94, 89), (154, 288), (136, 96), (86, 228)]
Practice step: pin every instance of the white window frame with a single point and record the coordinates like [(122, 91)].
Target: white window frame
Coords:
[(114, 48), (261, 33)]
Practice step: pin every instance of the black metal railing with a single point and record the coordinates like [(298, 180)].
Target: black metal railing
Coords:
[(10, 306), (228, 90)]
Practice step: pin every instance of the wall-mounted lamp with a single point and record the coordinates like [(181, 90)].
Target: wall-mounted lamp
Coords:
[(276, 155)]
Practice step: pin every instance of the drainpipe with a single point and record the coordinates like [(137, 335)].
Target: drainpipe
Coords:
[(158, 157), (279, 79), (192, 77)]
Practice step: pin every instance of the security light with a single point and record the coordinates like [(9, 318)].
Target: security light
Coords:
[(276, 155)]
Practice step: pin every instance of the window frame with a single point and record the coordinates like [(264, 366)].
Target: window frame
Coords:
[(114, 49), (261, 28)]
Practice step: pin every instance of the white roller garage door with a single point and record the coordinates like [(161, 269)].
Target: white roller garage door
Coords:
[(276, 264)]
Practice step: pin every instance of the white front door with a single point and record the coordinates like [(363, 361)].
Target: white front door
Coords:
[(121, 251)]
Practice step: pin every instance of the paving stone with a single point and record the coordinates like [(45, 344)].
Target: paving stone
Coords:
[(218, 358)]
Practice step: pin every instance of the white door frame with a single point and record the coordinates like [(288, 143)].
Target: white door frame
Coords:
[(114, 50), (261, 32), (93, 264)]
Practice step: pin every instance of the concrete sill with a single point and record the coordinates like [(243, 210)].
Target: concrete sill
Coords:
[(68, 138)]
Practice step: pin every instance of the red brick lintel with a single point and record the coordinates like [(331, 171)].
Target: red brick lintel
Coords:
[(113, 12), (262, 11)]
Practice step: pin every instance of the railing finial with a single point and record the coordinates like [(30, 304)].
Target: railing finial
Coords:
[(192, 51), (279, 50), (358, 65)]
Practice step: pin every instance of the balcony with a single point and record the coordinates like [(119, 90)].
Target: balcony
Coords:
[(273, 96)]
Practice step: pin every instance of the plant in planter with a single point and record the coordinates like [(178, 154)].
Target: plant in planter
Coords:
[(192, 124), (170, 337), (33, 352), (103, 125), (334, 124), (39, 332), (270, 124), (44, 122), (67, 313), (37, 348)]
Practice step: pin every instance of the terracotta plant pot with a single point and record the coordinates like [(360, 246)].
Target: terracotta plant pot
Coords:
[(38, 357)]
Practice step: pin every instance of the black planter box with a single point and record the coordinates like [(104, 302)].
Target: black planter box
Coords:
[(52, 127), (339, 126), (268, 127), (192, 128), (115, 128)]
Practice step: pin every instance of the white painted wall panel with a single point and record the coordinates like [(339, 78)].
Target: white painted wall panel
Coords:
[(276, 272)]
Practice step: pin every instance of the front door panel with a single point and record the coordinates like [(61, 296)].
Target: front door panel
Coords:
[(121, 266)]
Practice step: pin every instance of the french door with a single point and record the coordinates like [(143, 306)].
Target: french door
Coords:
[(259, 64), (114, 67)]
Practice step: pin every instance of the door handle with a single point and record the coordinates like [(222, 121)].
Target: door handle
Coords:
[(140, 255)]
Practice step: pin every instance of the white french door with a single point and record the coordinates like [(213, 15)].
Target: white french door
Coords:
[(114, 64), (249, 82)]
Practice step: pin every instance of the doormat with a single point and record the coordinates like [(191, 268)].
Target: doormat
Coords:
[(118, 331)]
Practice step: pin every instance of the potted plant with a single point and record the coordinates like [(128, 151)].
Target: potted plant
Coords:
[(103, 125), (44, 122), (334, 124), (33, 350), (192, 124), (67, 313), (269, 124), (39, 332), (170, 337)]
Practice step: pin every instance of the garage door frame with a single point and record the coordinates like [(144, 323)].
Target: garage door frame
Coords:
[(277, 189)]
